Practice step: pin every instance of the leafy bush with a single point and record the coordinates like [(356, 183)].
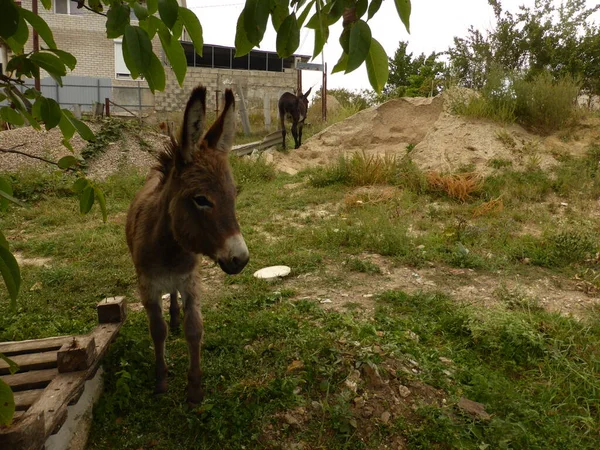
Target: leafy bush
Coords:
[(545, 104), (250, 170)]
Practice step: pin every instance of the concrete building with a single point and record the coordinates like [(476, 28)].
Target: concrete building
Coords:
[(101, 71)]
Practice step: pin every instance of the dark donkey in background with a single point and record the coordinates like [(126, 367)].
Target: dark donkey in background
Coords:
[(295, 107), (186, 208)]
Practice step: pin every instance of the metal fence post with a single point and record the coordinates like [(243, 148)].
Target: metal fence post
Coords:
[(139, 98), (98, 93), (57, 93)]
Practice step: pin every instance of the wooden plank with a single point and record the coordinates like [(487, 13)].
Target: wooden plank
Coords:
[(36, 379), (25, 399), (33, 345), (31, 361), (26, 433), (66, 386), (112, 309), (76, 355)]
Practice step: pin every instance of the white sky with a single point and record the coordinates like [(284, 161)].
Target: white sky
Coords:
[(433, 24)]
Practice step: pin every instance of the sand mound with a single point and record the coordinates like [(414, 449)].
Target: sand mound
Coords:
[(442, 142), (388, 128)]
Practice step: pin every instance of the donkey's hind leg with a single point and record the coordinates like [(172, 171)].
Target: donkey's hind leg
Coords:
[(158, 331), (194, 330), (283, 133), (295, 134), (174, 312)]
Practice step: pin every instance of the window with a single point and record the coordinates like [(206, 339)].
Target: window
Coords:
[(121, 70), (67, 7)]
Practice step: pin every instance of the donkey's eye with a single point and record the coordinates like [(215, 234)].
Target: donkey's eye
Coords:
[(202, 202)]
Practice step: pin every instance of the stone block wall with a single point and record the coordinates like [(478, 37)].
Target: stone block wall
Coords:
[(255, 84)]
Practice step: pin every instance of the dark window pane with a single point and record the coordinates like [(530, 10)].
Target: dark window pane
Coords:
[(60, 7), (206, 59), (258, 61), (222, 57)]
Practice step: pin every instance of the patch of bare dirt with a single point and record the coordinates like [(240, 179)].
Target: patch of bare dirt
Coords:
[(131, 151), (36, 262), (353, 289)]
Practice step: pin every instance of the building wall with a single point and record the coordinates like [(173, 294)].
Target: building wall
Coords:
[(256, 86), (85, 37)]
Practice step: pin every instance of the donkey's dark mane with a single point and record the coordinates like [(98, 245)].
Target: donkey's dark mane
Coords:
[(165, 159)]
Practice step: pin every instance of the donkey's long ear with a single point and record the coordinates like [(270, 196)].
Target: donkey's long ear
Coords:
[(307, 92), (220, 135), (193, 122)]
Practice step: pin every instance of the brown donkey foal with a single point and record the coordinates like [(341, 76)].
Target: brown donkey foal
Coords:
[(186, 208)]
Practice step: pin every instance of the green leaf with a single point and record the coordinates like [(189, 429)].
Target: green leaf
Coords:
[(17, 41), (10, 273), (193, 27), (47, 4), (336, 11), (242, 43), (10, 198), (40, 26), (51, 64), (403, 8), (101, 203), (168, 11), (304, 14), (66, 127), (155, 75), (360, 41), (373, 8), (341, 64), (67, 144), (3, 241), (96, 5), (117, 18), (83, 130), (377, 66), (361, 8), (139, 48), (140, 12), (129, 62), (256, 16), (321, 36), (7, 404), (279, 13), (86, 200), (6, 187), (345, 40), (175, 54), (66, 57), (152, 6), (11, 116), (80, 185), (9, 19), (67, 161), (177, 29), (50, 112), (288, 36), (13, 367)]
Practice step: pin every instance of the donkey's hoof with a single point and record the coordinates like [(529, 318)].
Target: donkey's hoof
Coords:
[(195, 396)]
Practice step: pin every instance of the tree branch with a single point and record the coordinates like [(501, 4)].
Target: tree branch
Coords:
[(17, 152)]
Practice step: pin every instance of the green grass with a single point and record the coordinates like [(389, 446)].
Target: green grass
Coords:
[(271, 350)]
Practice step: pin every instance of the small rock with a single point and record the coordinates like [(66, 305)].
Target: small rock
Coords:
[(372, 375), (368, 295), (315, 405), (474, 409), (404, 391), (445, 360), (385, 417), (367, 412), (420, 247), (326, 300), (351, 385), (291, 420), (37, 286), (359, 402), (412, 335), (564, 204)]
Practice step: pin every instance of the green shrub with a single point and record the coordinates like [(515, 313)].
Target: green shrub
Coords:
[(250, 170), (545, 104)]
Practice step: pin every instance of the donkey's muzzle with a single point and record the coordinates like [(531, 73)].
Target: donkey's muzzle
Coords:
[(234, 256)]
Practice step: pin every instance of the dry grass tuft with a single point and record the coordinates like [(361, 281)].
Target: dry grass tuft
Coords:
[(369, 195), (492, 207), (459, 186)]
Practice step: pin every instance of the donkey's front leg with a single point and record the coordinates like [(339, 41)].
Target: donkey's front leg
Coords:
[(295, 134), (193, 328), (158, 331)]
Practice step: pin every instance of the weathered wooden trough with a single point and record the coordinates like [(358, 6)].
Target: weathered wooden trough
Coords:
[(52, 375)]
